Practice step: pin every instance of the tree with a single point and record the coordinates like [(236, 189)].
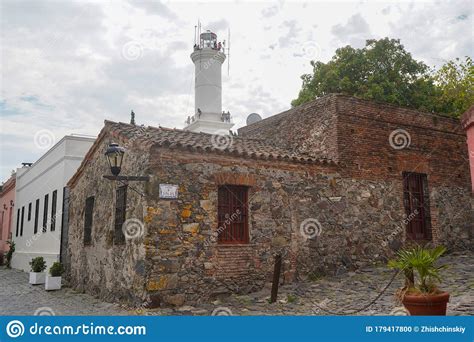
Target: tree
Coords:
[(455, 81), (383, 71)]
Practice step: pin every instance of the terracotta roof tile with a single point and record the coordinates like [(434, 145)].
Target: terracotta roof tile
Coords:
[(234, 145)]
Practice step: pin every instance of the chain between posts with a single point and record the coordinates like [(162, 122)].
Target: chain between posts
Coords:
[(372, 302)]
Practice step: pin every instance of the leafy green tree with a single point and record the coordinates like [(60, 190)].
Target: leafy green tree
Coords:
[(384, 71), (455, 81)]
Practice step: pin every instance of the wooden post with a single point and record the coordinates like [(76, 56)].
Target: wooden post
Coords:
[(276, 278)]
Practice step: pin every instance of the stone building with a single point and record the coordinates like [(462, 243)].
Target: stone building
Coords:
[(334, 184)]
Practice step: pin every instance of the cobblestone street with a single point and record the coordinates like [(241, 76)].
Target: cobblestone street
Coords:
[(346, 292)]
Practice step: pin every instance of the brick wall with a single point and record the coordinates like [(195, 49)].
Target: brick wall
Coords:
[(359, 139), (429, 144)]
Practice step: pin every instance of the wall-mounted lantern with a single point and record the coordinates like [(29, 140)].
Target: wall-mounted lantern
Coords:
[(4, 206), (115, 155), (11, 203)]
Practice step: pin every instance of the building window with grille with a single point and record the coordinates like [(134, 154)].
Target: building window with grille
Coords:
[(54, 201), (17, 222), (416, 198), (37, 208), (22, 220), (29, 212), (88, 218), (120, 214), (45, 213), (232, 214)]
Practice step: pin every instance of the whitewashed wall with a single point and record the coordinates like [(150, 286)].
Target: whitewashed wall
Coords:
[(51, 172)]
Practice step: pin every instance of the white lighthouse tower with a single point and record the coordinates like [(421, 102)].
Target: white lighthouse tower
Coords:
[(208, 57)]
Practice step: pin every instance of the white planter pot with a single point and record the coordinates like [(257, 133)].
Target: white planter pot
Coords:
[(52, 283), (37, 278)]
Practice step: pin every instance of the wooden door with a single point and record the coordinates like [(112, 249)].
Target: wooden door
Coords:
[(416, 201)]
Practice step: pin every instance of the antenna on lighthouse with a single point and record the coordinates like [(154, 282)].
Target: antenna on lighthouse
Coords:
[(195, 31)]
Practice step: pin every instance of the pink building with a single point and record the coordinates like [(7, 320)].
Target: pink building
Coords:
[(468, 124), (7, 204)]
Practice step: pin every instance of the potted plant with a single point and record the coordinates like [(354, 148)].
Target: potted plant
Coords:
[(37, 276), (420, 295), (53, 282)]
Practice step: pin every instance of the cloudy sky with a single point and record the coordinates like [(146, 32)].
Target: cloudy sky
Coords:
[(68, 65)]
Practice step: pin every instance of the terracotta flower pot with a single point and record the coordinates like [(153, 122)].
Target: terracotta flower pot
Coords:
[(426, 305)]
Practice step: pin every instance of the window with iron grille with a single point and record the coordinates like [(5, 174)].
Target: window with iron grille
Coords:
[(416, 198), (232, 214), (22, 220), (88, 218), (53, 210), (37, 208), (120, 214), (45, 213), (17, 222)]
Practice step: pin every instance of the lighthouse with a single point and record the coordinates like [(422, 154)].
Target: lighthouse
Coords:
[(208, 57)]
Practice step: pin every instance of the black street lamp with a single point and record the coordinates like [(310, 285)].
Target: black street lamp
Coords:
[(114, 156)]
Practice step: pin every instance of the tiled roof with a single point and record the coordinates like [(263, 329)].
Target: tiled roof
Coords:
[(203, 142)]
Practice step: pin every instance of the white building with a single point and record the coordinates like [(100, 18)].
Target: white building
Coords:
[(208, 56), (40, 192)]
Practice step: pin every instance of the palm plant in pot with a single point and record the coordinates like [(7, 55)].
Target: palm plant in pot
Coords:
[(421, 295), (53, 282), (37, 275)]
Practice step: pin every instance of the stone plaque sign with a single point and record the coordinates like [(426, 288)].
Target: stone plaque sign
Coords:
[(168, 191)]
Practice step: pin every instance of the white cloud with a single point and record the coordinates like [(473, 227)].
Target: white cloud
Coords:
[(354, 32), (63, 68)]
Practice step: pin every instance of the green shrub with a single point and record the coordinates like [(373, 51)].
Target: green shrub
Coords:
[(38, 264), (291, 298), (9, 254), (419, 267), (56, 270), (314, 276)]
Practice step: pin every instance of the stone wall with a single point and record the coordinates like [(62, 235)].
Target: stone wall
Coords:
[(356, 221), (310, 128), (323, 218), (104, 268)]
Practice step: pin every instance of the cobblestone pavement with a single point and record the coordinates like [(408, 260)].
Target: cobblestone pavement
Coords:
[(349, 292), (17, 297), (346, 292)]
